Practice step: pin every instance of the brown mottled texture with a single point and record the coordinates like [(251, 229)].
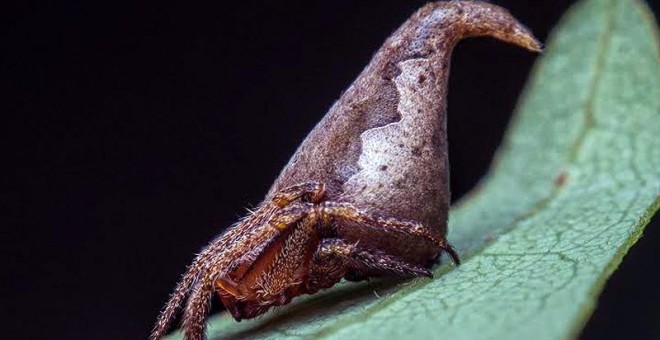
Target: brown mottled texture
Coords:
[(367, 192)]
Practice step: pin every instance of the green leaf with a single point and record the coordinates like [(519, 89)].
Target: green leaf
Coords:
[(574, 184)]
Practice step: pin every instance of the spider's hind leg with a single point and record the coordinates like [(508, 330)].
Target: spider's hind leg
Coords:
[(347, 212), (336, 258)]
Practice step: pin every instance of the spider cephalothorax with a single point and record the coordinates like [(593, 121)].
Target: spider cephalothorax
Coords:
[(367, 192)]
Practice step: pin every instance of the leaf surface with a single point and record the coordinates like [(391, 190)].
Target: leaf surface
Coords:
[(572, 187)]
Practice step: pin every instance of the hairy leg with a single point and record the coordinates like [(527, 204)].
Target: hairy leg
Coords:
[(335, 258), (347, 212), (312, 191), (327, 212), (197, 308), (167, 315), (274, 279), (329, 265), (183, 288), (309, 192)]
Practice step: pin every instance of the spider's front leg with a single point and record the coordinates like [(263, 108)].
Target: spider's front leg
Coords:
[(308, 192), (227, 246)]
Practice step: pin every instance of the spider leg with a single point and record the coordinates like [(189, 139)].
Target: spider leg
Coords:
[(312, 191), (290, 215), (309, 191), (197, 308), (268, 276), (329, 265), (167, 315), (348, 212), (183, 288), (335, 258)]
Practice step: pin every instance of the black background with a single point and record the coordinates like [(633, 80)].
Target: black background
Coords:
[(135, 133)]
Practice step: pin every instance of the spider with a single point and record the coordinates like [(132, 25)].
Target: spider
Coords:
[(367, 192), (296, 243)]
